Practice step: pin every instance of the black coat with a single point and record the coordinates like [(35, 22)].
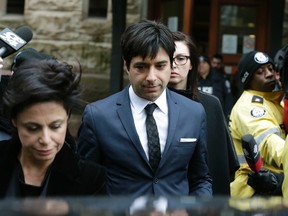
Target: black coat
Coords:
[(219, 86), (222, 158), (69, 175)]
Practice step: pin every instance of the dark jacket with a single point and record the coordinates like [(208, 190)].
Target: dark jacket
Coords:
[(69, 175), (217, 85), (222, 159)]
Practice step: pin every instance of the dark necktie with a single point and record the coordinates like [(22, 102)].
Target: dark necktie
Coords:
[(153, 137)]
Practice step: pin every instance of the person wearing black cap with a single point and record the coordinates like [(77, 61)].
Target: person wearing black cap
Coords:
[(213, 82), (258, 112)]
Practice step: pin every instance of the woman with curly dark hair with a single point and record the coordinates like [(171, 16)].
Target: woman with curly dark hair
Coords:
[(38, 160)]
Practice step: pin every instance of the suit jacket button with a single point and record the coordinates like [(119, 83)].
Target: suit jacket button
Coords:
[(156, 180)]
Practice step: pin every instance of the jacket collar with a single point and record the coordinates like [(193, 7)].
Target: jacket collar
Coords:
[(271, 96)]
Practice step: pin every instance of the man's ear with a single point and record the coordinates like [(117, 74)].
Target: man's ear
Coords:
[(69, 113), (126, 67), (14, 123)]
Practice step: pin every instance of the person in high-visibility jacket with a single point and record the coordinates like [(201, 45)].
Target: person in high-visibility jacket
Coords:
[(258, 112), (285, 169), (281, 61)]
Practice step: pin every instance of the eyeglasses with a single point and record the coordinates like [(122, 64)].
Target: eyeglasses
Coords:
[(180, 60)]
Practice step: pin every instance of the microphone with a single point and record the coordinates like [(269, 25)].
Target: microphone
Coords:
[(11, 41), (251, 152)]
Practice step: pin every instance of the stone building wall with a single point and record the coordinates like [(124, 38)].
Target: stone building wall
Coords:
[(61, 28)]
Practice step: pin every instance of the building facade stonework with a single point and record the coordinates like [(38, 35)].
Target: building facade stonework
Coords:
[(63, 29)]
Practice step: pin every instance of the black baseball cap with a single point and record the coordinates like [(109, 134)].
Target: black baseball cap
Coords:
[(250, 62)]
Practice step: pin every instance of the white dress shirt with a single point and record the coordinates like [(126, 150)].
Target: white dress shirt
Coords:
[(160, 114)]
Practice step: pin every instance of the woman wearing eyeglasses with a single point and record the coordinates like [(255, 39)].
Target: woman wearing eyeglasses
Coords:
[(222, 160)]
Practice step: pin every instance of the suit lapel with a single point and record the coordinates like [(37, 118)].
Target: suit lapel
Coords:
[(126, 118), (173, 116)]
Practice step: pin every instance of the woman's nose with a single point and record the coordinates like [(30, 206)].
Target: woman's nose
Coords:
[(45, 137)]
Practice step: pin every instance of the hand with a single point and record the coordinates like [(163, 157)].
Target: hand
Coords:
[(264, 182)]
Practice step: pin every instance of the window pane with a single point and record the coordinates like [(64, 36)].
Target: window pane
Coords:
[(173, 18), (15, 6), (237, 29), (98, 8)]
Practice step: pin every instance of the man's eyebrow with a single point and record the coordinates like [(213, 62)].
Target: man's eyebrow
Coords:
[(161, 62), (140, 63)]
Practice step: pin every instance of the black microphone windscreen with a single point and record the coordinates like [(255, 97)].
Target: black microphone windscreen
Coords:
[(248, 138), (251, 152), (25, 33)]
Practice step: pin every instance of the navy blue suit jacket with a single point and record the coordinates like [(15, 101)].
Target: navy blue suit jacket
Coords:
[(108, 135)]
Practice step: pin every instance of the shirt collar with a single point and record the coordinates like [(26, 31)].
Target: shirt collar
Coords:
[(139, 103)]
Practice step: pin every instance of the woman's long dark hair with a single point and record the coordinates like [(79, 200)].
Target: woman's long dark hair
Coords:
[(192, 79)]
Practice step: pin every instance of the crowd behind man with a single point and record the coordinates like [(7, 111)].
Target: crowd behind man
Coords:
[(115, 131), (212, 81)]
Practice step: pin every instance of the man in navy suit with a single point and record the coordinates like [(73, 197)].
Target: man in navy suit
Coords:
[(113, 130)]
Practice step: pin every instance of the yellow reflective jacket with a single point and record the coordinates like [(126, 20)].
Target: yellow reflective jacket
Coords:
[(259, 114), (285, 169)]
